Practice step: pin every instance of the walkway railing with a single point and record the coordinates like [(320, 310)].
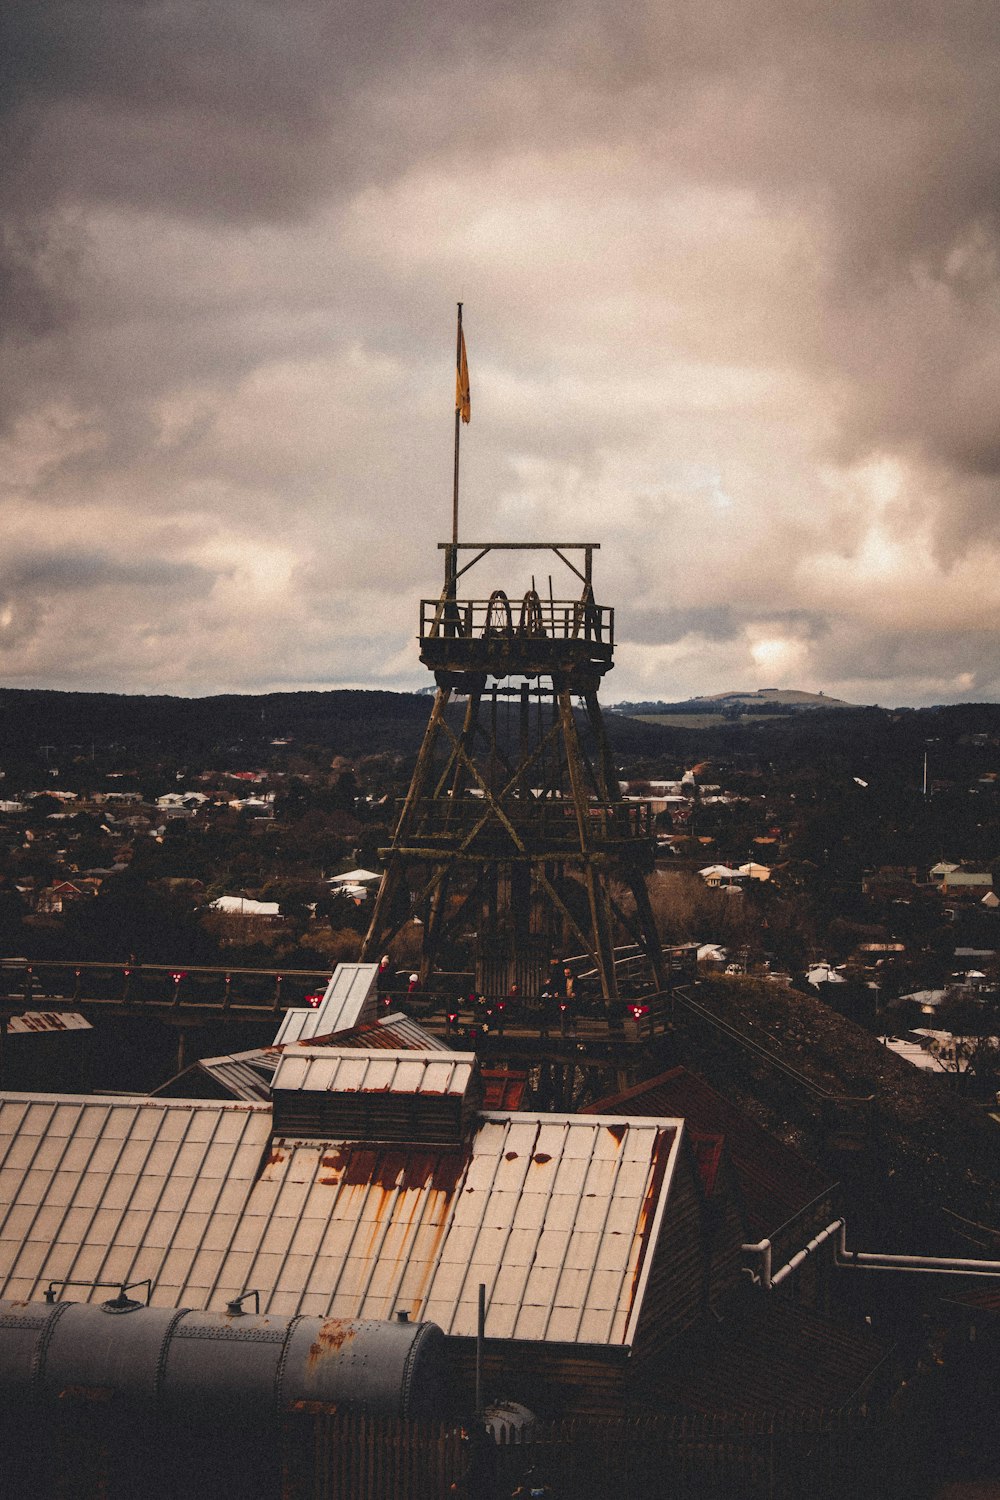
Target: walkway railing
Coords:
[(39, 984)]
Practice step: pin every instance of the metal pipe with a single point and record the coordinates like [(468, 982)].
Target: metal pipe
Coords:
[(927, 1264), (480, 1335), (763, 1249), (800, 1256), (859, 1260)]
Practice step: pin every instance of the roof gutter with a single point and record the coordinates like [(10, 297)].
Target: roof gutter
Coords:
[(767, 1278)]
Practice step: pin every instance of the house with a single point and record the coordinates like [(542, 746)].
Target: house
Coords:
[(721, 877), (823, 973), (712, 956), (350, 999), (181, 804), (966, 882), (62, 893), (254, 807), (357, 876), (357, 884), (374, 1182), (245, 906), (915, 1051), (750, 1355)]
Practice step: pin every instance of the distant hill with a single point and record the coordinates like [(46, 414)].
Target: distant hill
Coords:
[(45, 729), (778, 695), (349, 722), (760, 703)]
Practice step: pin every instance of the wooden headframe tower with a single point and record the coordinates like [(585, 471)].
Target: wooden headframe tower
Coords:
[(514, 838)]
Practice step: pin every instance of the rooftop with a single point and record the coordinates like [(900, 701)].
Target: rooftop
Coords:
[(556, 1214)]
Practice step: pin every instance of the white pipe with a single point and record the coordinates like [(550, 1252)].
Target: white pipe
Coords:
[(802, 1255), (767, 1279), (930, 1264), (763, 1249)]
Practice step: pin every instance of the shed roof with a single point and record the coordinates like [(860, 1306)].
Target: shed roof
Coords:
[(349, 1000), (47, 1020), (245, 906), (241, 1075), (248, 1075), (556, 1214), (357, 876), (349, 1070), (397, 1031)]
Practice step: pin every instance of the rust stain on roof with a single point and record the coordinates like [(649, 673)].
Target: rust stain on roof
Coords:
[(449, 1170), (617, 1132), (511, 1156), (661, 1156), (388, 1170), (274, 1158), (333, 1334), (541, 1157)]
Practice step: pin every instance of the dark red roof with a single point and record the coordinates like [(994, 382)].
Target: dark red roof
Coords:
[(778, 1357), (707, 1155), (775, 1181), (401, 1035), (503, 1089)]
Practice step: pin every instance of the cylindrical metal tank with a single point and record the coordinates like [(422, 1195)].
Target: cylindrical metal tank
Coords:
[(184, 1360), (389, 1369)]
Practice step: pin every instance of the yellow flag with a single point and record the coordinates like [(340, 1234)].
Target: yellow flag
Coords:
[(462, 395)]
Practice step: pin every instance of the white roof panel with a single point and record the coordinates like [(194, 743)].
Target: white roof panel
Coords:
[(47, 1021), (353, 1070), (350, 1000)]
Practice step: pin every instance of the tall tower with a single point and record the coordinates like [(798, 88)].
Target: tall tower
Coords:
[(514, 846)]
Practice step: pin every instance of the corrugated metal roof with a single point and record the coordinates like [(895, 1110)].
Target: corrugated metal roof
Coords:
[(503, 1088), (350, 1070), (349, 1000), (778, 1357), (121, 1189), (708, 1157), (556, 1214), (394, 1031), (775, 1181), (247, 1075), (48, 1020)]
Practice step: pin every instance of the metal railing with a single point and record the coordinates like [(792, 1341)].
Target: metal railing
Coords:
[(543, 821), (39, 984), (531, 619)]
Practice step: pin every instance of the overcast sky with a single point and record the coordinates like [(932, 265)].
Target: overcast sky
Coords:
[(730, 274)]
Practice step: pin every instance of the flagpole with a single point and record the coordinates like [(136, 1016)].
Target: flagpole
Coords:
[(458, 420)]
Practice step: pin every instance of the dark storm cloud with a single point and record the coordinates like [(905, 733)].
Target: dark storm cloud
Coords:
[(82, 571), (720, 623)]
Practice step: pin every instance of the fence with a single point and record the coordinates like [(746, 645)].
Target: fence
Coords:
[(90, 1445), (810, 1454)]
